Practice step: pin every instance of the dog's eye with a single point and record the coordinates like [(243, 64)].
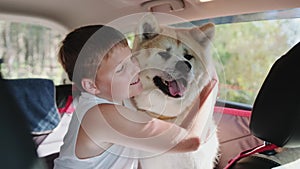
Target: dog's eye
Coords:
[(188, 57), (165, 55)]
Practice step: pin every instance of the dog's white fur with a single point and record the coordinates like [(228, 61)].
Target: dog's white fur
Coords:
[(158, 49)]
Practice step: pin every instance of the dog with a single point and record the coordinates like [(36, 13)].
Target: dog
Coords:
[(175, 66)]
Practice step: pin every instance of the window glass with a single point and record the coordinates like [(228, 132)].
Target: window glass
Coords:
[(248, 50), (246, 46), (29, 51)]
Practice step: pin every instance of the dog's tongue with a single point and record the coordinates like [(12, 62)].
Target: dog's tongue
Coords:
[(176, 88)]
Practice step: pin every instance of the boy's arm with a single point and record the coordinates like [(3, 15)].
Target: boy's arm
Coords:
[(120, 125), (204, 102)]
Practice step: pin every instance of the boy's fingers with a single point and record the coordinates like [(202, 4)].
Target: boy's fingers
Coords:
[(204, 95), (207, 90)]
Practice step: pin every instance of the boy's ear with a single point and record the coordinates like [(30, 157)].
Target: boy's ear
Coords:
[(89, 86)]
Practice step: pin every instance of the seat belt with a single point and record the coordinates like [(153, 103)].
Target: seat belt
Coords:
[(259, 149)]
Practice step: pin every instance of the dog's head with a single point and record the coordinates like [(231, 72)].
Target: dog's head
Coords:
[(175, 65), (172, 59)]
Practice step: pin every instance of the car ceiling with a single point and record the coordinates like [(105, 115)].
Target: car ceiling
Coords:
[(69, 14)]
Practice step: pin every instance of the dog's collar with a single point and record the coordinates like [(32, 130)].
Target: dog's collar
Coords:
[(159, 116), (155, 115)]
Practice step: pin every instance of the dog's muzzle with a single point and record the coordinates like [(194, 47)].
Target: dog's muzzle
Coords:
[(173, 88), (184, 67)]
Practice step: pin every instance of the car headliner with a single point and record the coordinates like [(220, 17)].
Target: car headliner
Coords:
[(69, 14)]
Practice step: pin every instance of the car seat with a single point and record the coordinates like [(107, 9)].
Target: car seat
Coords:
[(17, 147), (275, 115), (40, 105)]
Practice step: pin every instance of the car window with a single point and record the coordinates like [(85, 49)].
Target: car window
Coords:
[(30, 51), (246, 46), (247, 52)]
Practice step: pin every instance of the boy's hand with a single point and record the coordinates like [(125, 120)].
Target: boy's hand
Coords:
[(210, 88), (204, 102)]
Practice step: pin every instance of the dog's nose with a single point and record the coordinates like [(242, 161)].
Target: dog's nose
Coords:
[(183, 66)]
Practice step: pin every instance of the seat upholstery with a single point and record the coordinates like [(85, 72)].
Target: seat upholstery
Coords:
[(36, 98), (35, 101), (16, 145), (276, 111)]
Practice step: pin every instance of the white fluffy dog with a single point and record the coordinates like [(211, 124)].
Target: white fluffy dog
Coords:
[(176, 65)]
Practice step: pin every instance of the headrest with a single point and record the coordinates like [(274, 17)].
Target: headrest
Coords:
[(36, 98), (276, 110)]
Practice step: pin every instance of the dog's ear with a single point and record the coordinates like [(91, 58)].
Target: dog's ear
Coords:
[(204, 33), (148, 27)]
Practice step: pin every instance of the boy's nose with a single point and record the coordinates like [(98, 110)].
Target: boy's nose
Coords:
[(135, 68)]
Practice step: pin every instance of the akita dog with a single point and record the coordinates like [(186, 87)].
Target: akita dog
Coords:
[(175, 66)]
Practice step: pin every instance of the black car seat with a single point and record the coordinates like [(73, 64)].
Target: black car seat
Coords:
[(275, 116), (16, 145), (35, 99)]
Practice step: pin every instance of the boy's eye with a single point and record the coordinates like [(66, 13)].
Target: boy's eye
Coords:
[(120, 68)]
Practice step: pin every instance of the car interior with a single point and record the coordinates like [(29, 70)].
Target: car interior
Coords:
[(274, 120), (37, 106)]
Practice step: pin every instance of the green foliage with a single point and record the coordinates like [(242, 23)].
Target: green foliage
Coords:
[(29, 51), (247, 51), (130, 39)]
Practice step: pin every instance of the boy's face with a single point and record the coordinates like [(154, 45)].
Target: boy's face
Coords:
[(118, 75)]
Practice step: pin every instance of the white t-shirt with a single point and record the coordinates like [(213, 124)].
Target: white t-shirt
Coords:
[(115, 157)]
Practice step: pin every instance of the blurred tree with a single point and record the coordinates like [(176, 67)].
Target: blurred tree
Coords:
[(247, 51), (29, 51)]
